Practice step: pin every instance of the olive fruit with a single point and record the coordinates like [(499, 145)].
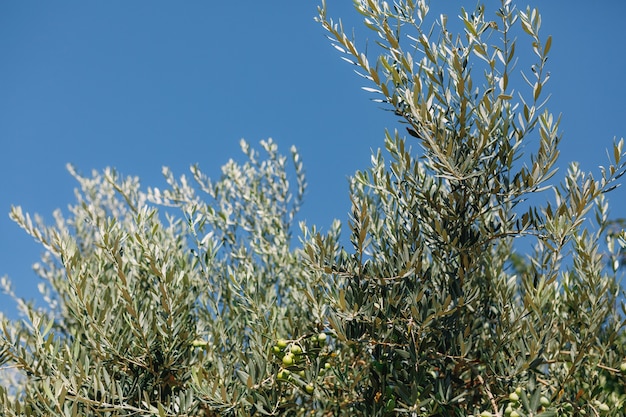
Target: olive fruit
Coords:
[(288, 359), (282, 343), (514, 397), (321, 338), (296, 350), (309, 388)]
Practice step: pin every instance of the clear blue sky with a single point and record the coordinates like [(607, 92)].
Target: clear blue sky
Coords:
[(140, 84)]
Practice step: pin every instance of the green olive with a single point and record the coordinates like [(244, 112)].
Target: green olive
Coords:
[(282, 343), (309, 388), (288, 359)]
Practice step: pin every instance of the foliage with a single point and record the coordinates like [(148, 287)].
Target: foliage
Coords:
[(158, 315), (472, 282), (450, 322)]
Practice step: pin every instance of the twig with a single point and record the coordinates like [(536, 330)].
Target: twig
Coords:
[(490, 395)]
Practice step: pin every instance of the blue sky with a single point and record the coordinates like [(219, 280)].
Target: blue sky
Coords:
[(142, 84)]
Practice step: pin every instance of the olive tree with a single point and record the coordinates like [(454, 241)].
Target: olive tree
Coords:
[(439, 300), (472, 279), (171, 311)]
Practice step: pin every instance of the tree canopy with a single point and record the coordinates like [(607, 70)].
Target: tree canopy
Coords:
[(471, 281)]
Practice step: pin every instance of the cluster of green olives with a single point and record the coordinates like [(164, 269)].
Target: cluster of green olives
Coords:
[(296, 357), (513, 408)]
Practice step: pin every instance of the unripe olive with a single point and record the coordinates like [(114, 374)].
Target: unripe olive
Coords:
[(288, 359), (283, 374), (514, 414), (603, 407), (544, 401), (296, 350), (301, 374), (282, 343), (622, 367), (309, 388), (514, 397), (327, 365), (486, 414), (321, 338), (508, 410), (276, 350)]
